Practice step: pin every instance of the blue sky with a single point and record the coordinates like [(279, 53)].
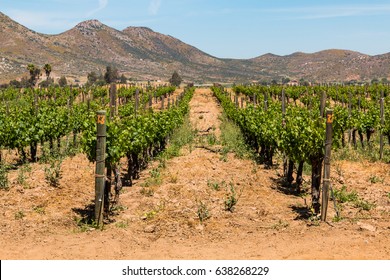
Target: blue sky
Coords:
[(226, 29)]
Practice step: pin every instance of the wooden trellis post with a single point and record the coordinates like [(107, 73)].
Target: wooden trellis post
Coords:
[(150, 101), (162, 102), (323, 104), (382, 115), (285, 158), (136, 101), (113, 107), (100, 166), (283, 103), (328, 149), (349, 116)]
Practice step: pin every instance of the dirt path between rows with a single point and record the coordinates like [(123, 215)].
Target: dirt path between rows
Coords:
[(39, 222)]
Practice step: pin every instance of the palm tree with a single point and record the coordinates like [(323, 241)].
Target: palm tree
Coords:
[(34, 74), (31, 69), (47, 69)]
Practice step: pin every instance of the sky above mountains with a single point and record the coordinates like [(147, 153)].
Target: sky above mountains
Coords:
[(226, 28)]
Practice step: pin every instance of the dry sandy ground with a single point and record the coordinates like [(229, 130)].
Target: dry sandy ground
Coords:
[(39, 222)]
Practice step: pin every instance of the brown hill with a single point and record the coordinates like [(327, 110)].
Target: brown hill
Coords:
[(141, 53), (328, 65)]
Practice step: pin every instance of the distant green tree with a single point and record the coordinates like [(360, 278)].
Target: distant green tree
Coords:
[(302, 82), (263, 83), (62, 81), (285, 80), (175, 80), (111, 75), (101, 78), (92, 78), (35, 73), (46, 83), (47, 68), (15, 84), (25, 82), (100, 83), (123, 79)]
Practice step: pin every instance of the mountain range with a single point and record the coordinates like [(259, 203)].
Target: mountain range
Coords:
[(141, 53)]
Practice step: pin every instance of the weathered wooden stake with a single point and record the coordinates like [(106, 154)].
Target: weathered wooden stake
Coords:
[(112, 100), (100, 166), (150, 101), (285, 158), (382, 108), (283, 103), (162, 102), (328, 149), (323, 104), (136, 101), (349, 115)]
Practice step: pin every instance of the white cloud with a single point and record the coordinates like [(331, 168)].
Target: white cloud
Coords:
[(46, 22), (102, 5), (154, 7), (318, 12), (120, 24)]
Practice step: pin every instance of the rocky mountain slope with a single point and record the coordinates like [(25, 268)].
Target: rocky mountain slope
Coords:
[(141, 53)]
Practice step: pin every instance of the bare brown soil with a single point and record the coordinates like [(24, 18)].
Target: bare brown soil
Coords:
[(39, 221)]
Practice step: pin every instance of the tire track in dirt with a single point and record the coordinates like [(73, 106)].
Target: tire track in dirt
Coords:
[(186, 192)]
